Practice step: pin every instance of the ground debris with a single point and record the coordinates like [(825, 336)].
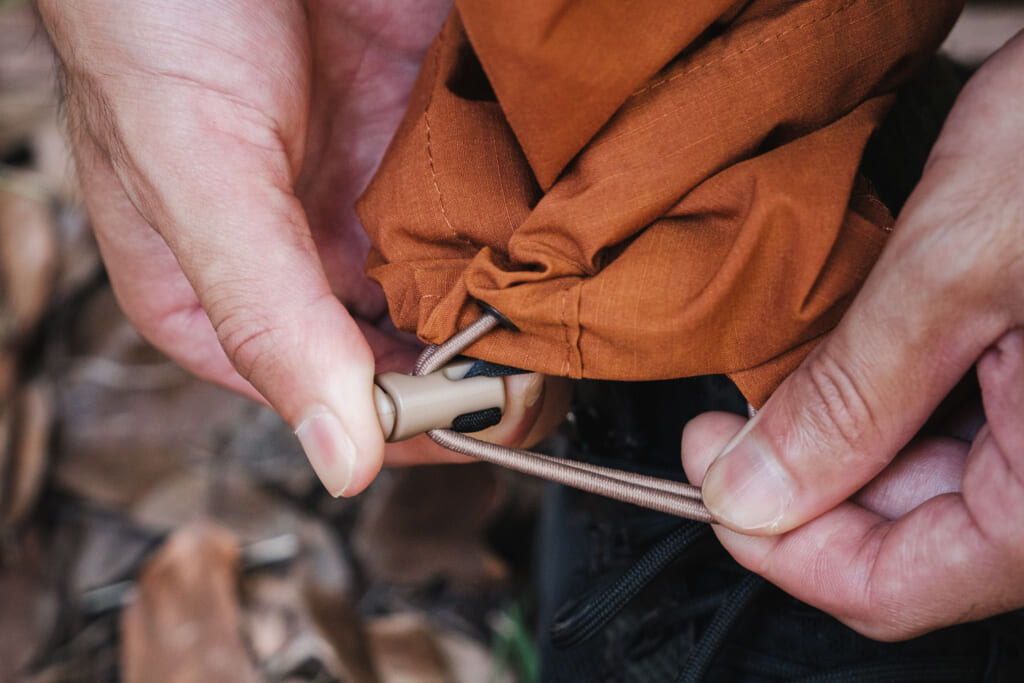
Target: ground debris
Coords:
[(157, 528), (184, 623)]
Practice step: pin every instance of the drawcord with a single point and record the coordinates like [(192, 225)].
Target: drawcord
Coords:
[(580, 621), (663, 495), (703, 654)]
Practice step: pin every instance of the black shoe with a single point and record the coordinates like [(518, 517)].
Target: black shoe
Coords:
[(629, 595)]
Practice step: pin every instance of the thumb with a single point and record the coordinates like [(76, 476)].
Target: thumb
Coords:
[(257, 274), (242, 241), (204, 130), (855, 401), (942, 291)]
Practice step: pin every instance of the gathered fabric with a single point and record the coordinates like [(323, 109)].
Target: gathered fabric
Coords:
[(647, 190)]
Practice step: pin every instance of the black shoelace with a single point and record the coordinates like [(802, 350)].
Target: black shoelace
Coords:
[(585, 617)]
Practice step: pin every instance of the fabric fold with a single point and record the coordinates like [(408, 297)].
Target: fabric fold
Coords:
[(698, 209)]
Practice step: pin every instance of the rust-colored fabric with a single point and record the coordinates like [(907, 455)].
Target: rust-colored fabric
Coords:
[(646, 189)]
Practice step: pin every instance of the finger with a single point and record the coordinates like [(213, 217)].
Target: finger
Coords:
[(150, 287), (286, 333), (993, 484), (945, 287), (169, 315), (889, 580), (859, 397), (925, 469), (241, 240), (534, 405), (704, 437), (1001, 376)]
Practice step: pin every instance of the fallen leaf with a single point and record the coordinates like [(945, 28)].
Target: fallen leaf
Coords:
[(28, 255), (184, 625), (342, 627), (130, 418), (30, 451), (226, 497), (420, 525), (27, 74), (405, 651), (29, 609), (304, 614)]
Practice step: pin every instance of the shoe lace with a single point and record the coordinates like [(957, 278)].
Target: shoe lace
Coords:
[(584, 618), (580, 620), (703, 653)]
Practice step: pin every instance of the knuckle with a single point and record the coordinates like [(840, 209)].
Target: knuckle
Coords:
[(251, 347), (836, 404), (252, 341)]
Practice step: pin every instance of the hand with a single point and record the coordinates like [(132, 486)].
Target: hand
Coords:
[(936, 536), (220, 148)]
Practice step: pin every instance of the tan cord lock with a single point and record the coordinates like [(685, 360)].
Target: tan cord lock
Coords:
[(664, 495), (409, 405)]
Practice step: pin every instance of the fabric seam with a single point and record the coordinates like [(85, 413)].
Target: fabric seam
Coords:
[(430, 152), (578, 295), (743, 50)]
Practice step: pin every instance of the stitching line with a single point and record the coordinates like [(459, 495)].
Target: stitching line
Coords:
[(578, 298), (566, 362), (744, 50), (430, 153)]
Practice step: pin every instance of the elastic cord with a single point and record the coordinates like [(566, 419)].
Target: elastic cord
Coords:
[(664, 495)]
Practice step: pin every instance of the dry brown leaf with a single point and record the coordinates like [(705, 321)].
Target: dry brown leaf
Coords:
[(28, 256), (227, 497), (130, 418), (53, 164), (341, 626), (30, 451), (80, 262), (406, 651), (469, 660), (6, 449), (304, 614), (185, 623), (8, 374), (284, 635), (28, 609), (27, 74), (424, 524)]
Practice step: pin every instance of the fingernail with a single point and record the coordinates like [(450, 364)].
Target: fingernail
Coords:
[(747, 488), (329, 449)]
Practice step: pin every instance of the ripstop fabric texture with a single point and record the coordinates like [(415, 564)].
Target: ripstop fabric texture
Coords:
[(646, 189)]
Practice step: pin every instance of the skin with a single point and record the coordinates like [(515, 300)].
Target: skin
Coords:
[(833, 491), (223, 165), (221, 146)]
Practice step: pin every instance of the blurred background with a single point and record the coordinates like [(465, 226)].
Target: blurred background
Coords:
[(153, 527)]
